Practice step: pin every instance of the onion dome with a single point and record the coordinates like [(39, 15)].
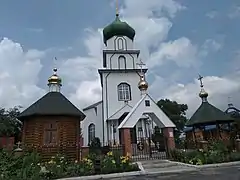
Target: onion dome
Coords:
[(118, 28), (142, 85), (203, 93), (55, 79), (54, 82)]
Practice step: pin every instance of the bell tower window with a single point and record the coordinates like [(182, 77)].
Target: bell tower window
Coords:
[(120, 44), (124, 92), (122, 62)]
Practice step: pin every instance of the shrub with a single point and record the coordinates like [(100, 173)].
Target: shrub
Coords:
[(217, 152)]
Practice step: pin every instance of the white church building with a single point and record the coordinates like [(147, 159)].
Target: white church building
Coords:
[(125, 101)]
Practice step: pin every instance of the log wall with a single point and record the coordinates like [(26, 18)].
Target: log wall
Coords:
[(68, 132)]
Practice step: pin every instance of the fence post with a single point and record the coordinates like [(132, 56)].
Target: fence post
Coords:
[(238, 144)]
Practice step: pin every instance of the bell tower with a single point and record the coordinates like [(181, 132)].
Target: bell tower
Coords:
[(120, 73)]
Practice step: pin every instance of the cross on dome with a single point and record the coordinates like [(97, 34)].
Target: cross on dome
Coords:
[(141, 64), (203, 94), (200, 79)]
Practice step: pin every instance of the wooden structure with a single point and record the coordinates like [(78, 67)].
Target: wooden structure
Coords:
[(208, 122), (52, 124)]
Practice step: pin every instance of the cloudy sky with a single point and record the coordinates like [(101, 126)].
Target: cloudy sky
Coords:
[(178, 39)]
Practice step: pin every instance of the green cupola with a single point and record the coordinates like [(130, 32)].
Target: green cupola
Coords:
[(118, 28)]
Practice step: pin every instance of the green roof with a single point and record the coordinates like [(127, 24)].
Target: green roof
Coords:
[(118, 28), (53, 103), (208, 114)]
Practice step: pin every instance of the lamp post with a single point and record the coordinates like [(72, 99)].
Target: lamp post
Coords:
[(148, 122)]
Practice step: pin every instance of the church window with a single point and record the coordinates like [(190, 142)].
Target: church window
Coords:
[(50, 133), (124, 92), (147, 103), (122, 62), (91, 132), (120, 44)]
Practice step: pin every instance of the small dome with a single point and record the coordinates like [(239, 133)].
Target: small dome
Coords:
[(118, 28), (55, 79), (143, 85), (203, 94)]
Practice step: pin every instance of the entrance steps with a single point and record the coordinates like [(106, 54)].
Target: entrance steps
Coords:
[(158, 166)]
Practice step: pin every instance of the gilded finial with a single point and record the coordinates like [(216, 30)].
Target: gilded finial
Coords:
[(54, 82), (143, 84)]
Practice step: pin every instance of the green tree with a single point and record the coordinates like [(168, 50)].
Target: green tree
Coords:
[(9, 124), (176, 112)]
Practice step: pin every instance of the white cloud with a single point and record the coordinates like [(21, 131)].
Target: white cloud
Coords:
[(150, 8), (18, 74), (88, 92), (234, 13), (212, 45), (212, 14), (180, 51)]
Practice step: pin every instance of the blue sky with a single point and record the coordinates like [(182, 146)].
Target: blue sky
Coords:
[(62, 28)]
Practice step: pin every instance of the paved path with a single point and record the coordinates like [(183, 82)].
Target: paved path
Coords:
[(220, 173)]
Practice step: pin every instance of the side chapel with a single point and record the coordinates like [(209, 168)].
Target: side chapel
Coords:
[(208, 122), (51, 125), (126, 110)]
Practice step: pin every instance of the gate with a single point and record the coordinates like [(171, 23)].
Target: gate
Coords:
[(153, 147)]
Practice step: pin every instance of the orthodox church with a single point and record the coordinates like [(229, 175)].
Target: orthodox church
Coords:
[(125, 102)]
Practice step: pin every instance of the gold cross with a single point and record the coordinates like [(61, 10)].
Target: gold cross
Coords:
[(141, 64), (200, 79)]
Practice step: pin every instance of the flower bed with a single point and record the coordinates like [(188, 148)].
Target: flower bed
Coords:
[(30, 166), (216, 152)]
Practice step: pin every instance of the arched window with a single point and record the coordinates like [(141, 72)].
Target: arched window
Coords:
[(120, 44), (91, 132), (122, 62), (124, 92)]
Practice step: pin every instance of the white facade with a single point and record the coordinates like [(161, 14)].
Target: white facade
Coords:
[(120, 76)]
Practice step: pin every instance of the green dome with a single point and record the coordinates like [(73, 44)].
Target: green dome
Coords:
[(118, 28)]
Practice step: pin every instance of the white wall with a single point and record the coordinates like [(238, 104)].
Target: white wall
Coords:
[(96, 119), (120, 43), (110, 93), (113, 61)]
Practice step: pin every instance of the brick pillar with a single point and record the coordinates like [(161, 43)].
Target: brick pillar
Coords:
[(126, 141), (169, 135)]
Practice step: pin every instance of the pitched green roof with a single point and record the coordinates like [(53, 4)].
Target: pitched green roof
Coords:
[(53, 103), (118, 28), (208, 114)]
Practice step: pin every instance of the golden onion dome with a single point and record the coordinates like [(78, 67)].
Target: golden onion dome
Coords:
[(142, 85), (203, 94), (55, 79)]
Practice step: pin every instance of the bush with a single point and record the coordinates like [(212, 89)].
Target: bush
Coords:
[(30, 166), (217, 152)]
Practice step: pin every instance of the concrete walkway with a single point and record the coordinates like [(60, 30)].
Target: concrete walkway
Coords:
[(163, 168)]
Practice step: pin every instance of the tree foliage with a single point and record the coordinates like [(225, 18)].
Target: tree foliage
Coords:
[(9, 124), (176, 112)]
